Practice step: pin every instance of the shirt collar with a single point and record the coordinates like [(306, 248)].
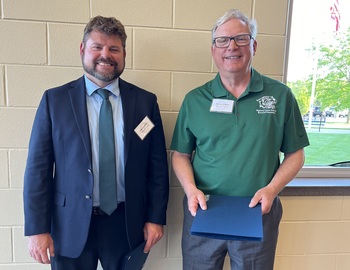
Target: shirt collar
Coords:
[(218, 90), (255, 85), (91, 87)]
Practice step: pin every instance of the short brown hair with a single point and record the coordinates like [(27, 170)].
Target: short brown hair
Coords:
[(107, 25)]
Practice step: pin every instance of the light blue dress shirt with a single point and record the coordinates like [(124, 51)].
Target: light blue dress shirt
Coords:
[(93, 102)]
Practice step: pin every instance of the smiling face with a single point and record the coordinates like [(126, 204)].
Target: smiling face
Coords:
[(103, 57), (233, 59)]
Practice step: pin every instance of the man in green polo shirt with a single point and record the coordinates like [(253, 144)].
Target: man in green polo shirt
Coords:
[(227, 140)]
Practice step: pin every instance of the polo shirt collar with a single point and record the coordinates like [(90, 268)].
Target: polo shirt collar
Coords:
[(256, 82), (255, 85)]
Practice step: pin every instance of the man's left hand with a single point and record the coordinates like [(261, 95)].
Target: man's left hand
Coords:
[(152, 233), (265, 196)]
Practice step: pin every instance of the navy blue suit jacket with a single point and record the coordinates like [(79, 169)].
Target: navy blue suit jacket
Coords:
[(58, 182)]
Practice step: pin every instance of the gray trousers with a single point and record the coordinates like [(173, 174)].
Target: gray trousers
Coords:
[(201, 253)]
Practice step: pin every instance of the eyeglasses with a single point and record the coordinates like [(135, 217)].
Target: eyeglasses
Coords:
[(240, 40)]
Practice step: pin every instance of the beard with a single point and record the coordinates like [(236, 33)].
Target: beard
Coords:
[(105, 77)]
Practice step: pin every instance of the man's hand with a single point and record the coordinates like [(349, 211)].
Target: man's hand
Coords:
[(39, 246), (152, 233), (265, 196), (183, 169), (194, 199)]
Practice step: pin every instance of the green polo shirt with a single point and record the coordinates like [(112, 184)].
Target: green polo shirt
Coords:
[(236, 153)]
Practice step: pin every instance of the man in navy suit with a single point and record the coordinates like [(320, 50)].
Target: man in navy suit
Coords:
[(63, 221)]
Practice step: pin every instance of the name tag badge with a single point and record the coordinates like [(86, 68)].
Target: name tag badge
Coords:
[(222, 105), (144, 128)]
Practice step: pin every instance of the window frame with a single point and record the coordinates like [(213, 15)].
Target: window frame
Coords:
[(320, 172), (324, 172)]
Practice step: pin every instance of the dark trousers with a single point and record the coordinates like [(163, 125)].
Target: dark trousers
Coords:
[(201, 253), (107, 242)]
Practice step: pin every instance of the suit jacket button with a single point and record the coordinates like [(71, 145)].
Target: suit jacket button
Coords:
[(88, 197)]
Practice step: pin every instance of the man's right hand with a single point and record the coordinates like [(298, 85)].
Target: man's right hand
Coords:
[(194, 199), (40, 246), (184, 172)]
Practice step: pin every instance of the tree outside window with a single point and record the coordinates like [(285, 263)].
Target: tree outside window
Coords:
[(319, 75)]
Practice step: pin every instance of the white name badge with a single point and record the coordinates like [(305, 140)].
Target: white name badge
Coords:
[(222, 105), (144, 128)]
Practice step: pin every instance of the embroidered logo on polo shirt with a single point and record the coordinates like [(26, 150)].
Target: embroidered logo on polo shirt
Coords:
[(267, 104)]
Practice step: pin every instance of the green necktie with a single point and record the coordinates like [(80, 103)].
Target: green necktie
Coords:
[(107, 165)]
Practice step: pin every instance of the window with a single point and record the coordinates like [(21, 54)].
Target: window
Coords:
[(319, 74)]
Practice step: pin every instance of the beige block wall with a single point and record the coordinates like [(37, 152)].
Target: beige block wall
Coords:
[(168, 53)]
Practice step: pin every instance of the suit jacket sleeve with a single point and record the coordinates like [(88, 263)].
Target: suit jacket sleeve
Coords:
[(158, 173), (146, 167), (38, 178)]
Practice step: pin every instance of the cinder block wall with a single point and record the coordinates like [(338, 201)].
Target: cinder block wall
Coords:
[(168, 53)]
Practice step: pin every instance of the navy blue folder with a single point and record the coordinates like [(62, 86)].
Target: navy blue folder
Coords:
[(136, 259), (229, 218)]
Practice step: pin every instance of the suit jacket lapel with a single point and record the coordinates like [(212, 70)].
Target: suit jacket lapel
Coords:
[(78, 102), (129, 103)]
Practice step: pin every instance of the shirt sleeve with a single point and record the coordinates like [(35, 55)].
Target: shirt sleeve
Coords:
[(183, 139)]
